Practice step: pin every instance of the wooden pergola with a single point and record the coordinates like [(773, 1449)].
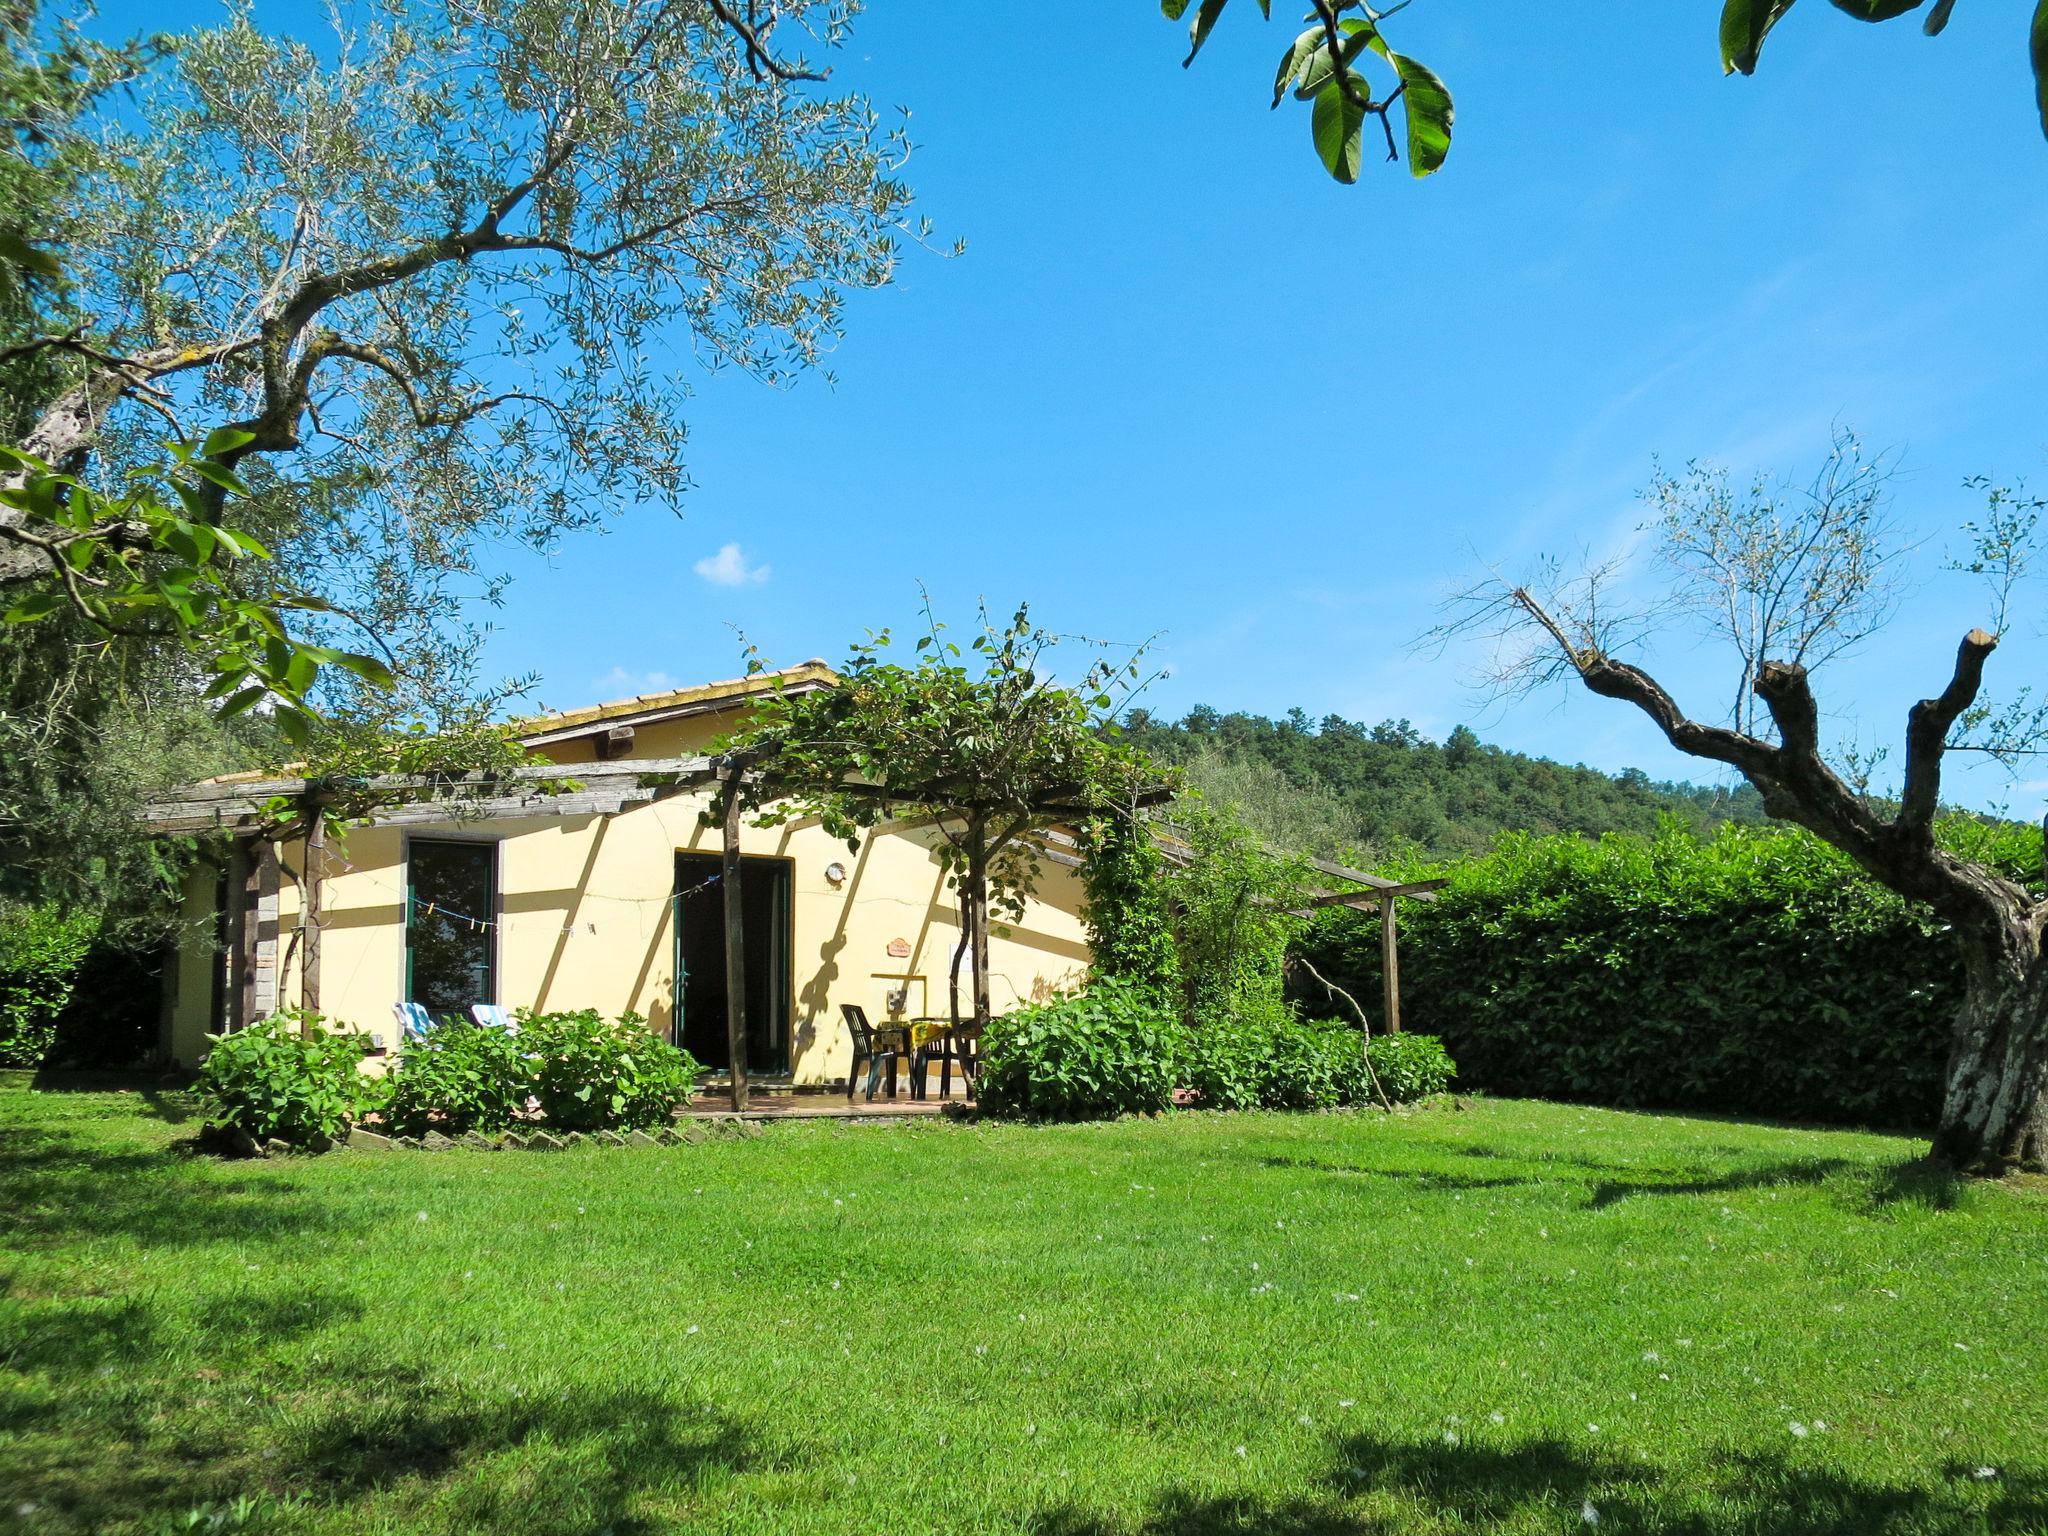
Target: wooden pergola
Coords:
[(1384, 894), (255, 815), (251, 814), (1378, 892)]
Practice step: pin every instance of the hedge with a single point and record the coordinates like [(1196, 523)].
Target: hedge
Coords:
[(41, 949), (1752, 972)]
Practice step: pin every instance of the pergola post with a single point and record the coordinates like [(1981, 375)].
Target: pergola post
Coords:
[(1390, 960), (309, 912), (735, 937), (256, 939)]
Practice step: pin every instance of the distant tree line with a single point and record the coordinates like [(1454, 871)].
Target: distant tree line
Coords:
[(1386, 789)]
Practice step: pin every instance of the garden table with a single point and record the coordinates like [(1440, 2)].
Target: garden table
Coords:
[(938, 1040)]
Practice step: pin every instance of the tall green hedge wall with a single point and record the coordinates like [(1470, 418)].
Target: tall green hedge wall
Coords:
[(1754, 971)]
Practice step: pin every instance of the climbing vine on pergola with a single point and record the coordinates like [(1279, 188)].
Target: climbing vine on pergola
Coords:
[(983, 743)]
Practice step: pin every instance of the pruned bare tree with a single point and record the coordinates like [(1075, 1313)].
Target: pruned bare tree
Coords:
[(1793, 585), (1798, 574)]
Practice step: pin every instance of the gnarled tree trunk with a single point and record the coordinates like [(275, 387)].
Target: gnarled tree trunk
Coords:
[(1994, 1109), (977, 884)]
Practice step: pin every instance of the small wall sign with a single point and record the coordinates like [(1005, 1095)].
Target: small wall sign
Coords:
[(899, 949)]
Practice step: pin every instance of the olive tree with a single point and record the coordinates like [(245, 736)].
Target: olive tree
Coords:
[(438, 278), (1788, 579)]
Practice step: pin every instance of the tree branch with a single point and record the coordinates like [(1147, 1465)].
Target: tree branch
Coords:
[(758, 56), (1927, 727), (1612, 679)]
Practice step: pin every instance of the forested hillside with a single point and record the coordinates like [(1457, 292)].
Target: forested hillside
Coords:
[(1318, 785)]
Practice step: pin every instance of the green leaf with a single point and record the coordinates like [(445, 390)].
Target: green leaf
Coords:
[(39, 605), (1319, 72), (1877, 10), (242, 701), (1292, 63), (17, 252), (2038, 49), (1198, 32), (1172, 9), (1744, 25), (221, 476), (295, 724), (224, 440), (229, 672), (1938, 17), (1428, 104), (1338, 125)]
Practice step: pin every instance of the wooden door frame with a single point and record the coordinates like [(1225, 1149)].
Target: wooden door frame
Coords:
[(788, 979)]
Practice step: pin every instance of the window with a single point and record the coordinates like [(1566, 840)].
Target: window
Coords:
[(450, 925)]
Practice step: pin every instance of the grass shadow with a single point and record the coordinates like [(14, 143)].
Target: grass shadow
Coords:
[(1922, 1182), (1183, 1514), (379, 1444), (1600, 1192), (1429, 1178), (1869, 1187), (1379, 1486), (61, 1189), (1553, 1482)]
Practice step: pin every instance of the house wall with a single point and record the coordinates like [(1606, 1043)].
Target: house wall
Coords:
[(586, 919)]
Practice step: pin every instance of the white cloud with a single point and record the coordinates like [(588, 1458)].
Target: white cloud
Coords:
[(729, 568), (619, 683)]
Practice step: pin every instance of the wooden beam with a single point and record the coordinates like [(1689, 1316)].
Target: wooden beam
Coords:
[(239, 892), (208, 806), (1420, 890), (1376, 882), (309, 914), (586, 802), (735, 937), (1390, 960)]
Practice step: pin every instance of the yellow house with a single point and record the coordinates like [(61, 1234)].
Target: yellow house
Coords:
[(608, 898)]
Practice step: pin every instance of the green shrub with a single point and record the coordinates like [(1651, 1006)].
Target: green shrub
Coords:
[(1111, 1050), (1225, 1065), (287, 1078), (1268, 1058), (589, 1075), (462, 1077), (41, 949), (1410, 1067), (1752, 972), (1263, 1057), (1309, 1065)]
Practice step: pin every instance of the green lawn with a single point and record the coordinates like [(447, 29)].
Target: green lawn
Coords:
[(1489, 1320)]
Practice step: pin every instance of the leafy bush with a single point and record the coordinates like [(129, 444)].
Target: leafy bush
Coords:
[(287, 1078), (1410, 1067), (1267, 1058), (41, 949), (462, 1077), (589, 1075), (1111, 1050), (1262, 1057), (1225, 1065), (1751, 972)]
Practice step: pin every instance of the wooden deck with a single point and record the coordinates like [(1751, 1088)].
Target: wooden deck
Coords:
[(781, 1101)]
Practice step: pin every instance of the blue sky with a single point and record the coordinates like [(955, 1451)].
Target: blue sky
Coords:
[(1182, 383)]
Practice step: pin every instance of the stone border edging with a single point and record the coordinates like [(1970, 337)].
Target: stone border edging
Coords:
[(362, 1139)]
